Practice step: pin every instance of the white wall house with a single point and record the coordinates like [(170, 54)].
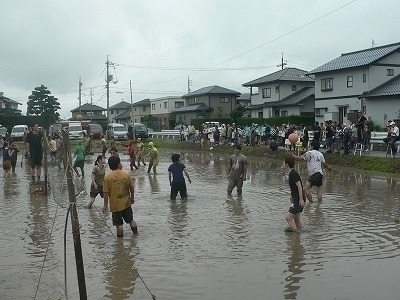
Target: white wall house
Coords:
[(162, 109), (268, 92), (340, 84), (118, 109)]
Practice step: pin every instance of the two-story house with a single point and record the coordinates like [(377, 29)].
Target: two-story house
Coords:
[(8, 104), (90, 112), (285, 92), (140, 109), (117, 110), (212, 101), (343, 85), (162, 109)]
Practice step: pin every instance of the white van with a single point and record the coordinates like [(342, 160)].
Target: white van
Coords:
[(75, 130), (19, 132), (117, 131)]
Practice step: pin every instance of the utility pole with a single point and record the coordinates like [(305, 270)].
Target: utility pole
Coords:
[(189, 83), (108, 91), (91, 104), (283, 63), (80, 95), (130, 87), (74, 217)]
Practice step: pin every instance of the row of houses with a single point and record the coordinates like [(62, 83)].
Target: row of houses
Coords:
[(366, 80)]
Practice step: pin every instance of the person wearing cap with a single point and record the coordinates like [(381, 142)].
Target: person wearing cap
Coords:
[(361, 121), (393, 136)]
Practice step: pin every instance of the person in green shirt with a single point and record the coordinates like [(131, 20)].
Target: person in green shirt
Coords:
[(153, 153), (80, 154)]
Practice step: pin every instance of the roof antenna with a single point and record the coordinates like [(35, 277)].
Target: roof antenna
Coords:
[(283, 63), (373, 44)]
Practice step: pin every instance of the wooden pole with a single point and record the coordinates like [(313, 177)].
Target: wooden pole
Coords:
[(74, 218), (45, 144)]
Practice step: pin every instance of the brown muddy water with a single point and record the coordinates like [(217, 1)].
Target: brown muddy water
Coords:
[(210, 246)]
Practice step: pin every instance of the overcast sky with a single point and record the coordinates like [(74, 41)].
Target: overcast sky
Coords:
[(157, 44)]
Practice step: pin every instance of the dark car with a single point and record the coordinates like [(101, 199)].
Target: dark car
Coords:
[(95, 131), (3, 133), (137, 130)]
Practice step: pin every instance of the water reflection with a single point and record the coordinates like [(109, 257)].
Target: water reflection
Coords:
[(294, 264), (154, 184), (178, 220), (121, 276)]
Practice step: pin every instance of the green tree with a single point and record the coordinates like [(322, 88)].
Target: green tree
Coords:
[(238, 112), (42, 103)]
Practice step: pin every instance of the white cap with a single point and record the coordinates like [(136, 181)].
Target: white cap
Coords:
[(392, 123)]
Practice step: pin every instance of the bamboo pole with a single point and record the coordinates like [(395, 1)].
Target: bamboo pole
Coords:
[(74, 218)]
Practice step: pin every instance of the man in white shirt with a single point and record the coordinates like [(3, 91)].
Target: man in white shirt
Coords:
[(393, 136)]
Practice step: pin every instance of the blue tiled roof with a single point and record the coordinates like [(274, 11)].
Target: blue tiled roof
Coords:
[(191, 107), (121, 105), (89, 107), (389, 88), (358, 58), (288, 74), (212, 90)]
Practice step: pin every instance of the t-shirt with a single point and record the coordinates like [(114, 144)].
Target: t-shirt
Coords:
[(99, 172), (117, 184), (53, 145), (294, 177), (80, 153), (6, 154), (314, 160), (177, 171), (237, 163), (35, 142)]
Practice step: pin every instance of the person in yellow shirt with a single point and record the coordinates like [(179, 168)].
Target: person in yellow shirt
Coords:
[(118, 189)]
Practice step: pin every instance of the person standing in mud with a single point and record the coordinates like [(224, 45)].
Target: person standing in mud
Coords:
[(140, 152), (176, 179), (98, 173), (13, 155), (154, 159), (103, 144), (237, 170), (80, 158), (35, 151), (292, 217), (118, 189), (315, 162)]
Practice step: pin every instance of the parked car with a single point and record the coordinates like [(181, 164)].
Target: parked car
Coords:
[(117, 131), (19, 132), (95, 131), (55, 129), (75, 130), (3, 132), (137, 130)]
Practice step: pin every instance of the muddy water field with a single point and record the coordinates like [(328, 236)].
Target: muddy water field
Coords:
[(209, 246)]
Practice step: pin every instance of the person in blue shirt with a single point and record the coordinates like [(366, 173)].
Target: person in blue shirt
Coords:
[(176, 179)]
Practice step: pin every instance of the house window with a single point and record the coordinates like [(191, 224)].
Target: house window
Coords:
[(266, 93), (153, 106), (260, 114), (320, 111), (390, 72), (349, 81), (117, 112), (277, 89), (224, 100), (165, 105), (364, 78), (327, 84), (135, 108), (144, 107), (364, 109), (294, 88), (160, 105), (284, 113), (112, 111), (179, 104)]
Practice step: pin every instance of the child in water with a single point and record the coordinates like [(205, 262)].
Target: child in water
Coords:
[(176, 179), (153, 153)]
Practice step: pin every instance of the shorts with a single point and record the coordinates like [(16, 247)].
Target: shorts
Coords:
[(315, 179), (235, 183), (79, 163), (7, 165), (94, 192), (295, 208), (178, 186), (123, 215), (13, 163), (36, 160)]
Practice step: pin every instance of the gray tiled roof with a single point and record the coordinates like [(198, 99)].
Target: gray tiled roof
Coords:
[(243, 97), (358, 58), (288, 74), (124, 115), (389, 88), (145, 102), (212, 90), (5, 99), (89, 107), (292, 100), (121, 105), (191, 107)]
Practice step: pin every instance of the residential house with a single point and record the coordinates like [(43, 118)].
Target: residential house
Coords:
[(7, 103), (117, 109), (273, 95), (162, 109), (349, 83), (216, 102), (90, 112), (140, 109)]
